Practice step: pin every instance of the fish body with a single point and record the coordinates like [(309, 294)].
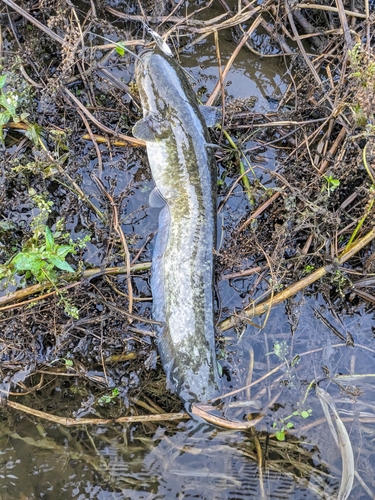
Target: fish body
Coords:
[(184, 170)]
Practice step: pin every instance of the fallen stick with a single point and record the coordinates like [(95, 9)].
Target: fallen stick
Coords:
[(328, 9), (88, 273), (71, 422), (129, 140), (200, 411)]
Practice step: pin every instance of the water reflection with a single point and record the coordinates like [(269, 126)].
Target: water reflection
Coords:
[(192, 460)]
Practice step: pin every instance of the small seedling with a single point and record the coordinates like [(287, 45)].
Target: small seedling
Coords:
[(280, 349), (331, 184), (285, 424), (10, 101), (67, 362), (108, 398), (40, 260), (280, 433), (308, 269)]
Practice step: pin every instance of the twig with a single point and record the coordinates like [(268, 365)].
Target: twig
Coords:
[(300, 44), (120, 232), (326, 8), (216, 90), (71, 422), (37, 299), (129, 315), (129, 140), (260, 210), (201, 411), (100, 139), (344, 23), (92, 137), (243, 176), (240, 18)]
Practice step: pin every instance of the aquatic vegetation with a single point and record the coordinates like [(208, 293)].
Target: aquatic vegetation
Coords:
[(281, 427)]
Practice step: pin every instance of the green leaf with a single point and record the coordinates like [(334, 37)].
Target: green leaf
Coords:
[(50, 241), (4, 118), (9, 101), (28, 261), (2, 81), (71, 310), (120, 48), (104, 400), (280, 435), (63, 250), (33, 133), (60, 264), (295, 360), (289, 425)]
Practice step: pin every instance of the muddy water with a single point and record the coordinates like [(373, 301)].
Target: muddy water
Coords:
[(192, 459)]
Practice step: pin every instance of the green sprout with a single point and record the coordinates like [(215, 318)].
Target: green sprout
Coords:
[(108, 398), (331, 184), (285, 424)]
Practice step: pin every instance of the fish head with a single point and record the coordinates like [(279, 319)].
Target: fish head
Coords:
[(156, 124)]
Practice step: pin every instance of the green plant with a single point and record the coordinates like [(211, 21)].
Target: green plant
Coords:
[(339, 280), (10, 102), (41, 256), (362, 64), (284, 424), (308, 269), (40, 260), (280, 349), (67, 362), (331, 184), (108, 398)]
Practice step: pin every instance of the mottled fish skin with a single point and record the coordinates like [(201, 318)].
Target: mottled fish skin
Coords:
[(184, 171)]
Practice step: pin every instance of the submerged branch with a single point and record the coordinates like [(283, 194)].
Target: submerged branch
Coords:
[(72, 422)]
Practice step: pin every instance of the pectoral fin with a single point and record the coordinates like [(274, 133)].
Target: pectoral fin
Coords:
[(143, 130), (155, 199)]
